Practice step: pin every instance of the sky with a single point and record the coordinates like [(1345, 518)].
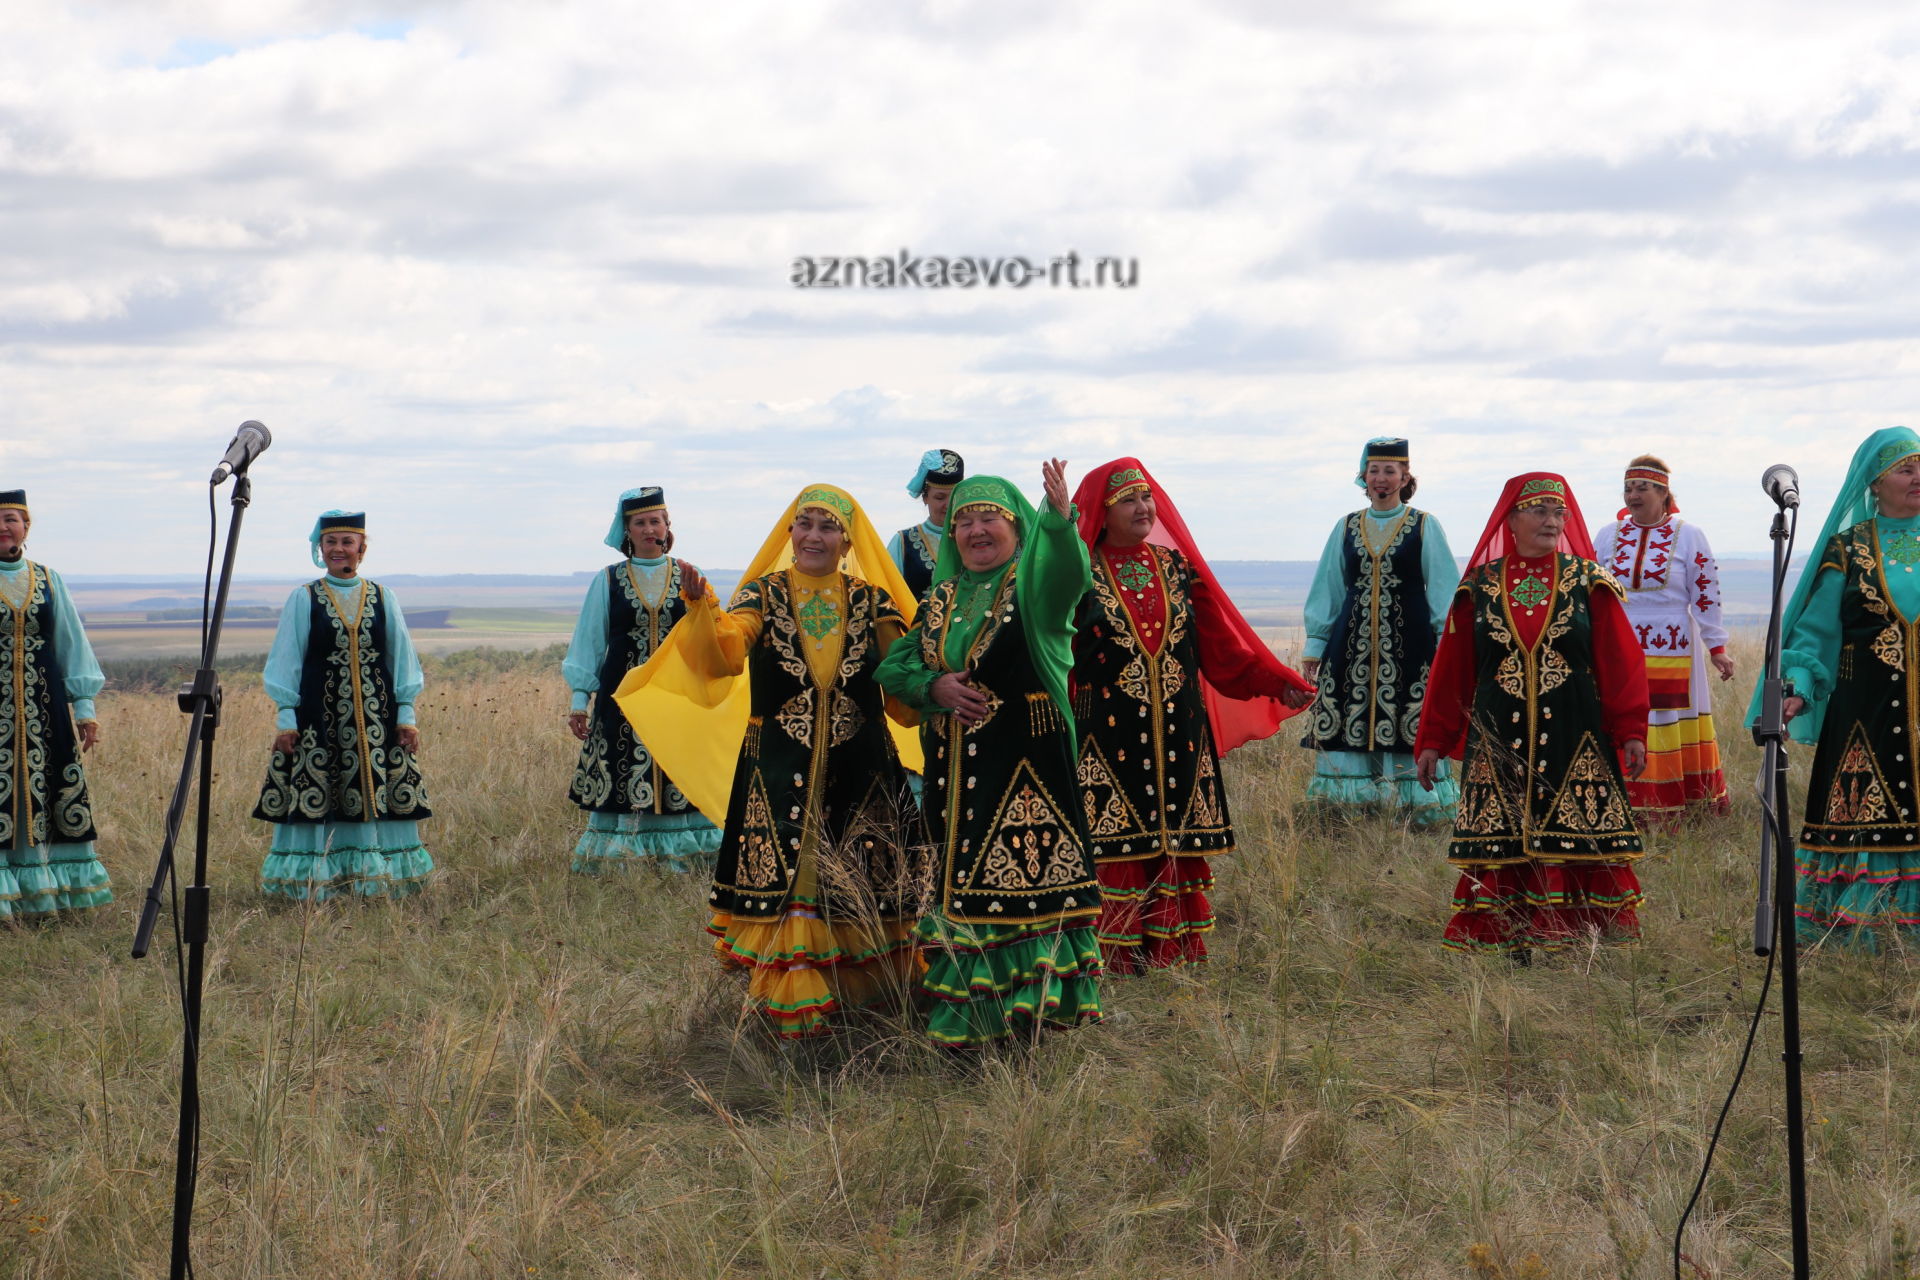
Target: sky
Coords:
[(481, 266)]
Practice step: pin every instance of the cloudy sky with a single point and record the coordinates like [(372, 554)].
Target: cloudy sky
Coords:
[(480, 266)]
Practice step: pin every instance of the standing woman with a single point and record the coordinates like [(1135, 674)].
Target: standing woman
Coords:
[(916, 551), (343, 789), (1167, 677), (635, 813), (1009, 944), (1849, 647), (1539, 679), (48, 681), (1673, 602), (812, 892), (1374, 616)]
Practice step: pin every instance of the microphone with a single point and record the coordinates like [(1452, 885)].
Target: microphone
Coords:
[(1782, 484), (249, 442)]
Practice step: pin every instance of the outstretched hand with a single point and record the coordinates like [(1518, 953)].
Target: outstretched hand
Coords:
[(1054, 474)]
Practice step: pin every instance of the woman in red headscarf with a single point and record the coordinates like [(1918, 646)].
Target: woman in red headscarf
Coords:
[(1167, 678), (1540, 682)]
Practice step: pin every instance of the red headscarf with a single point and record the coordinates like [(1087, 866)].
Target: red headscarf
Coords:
[(1234, 720), (1497, 542)]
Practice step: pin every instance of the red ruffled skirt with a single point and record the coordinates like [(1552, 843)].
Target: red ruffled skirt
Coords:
[(1544, 906), (1154, 913)]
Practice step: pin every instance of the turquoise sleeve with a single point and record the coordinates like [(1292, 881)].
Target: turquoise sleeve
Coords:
[(897, 550), (1810, 655), (588, 650), (1443, 575), (1328, 594), (84, 679), (287, 658), (408, 679)]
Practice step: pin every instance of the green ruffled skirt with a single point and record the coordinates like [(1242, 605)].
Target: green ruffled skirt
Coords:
[(314, 861), (39, 879), (669, 841), (985, 983)]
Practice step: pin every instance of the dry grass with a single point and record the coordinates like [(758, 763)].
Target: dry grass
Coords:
[(524, 1072)]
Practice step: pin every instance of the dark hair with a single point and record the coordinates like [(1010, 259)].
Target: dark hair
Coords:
[(1408, 489)]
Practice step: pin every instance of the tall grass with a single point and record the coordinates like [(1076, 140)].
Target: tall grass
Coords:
[(524, 1072)]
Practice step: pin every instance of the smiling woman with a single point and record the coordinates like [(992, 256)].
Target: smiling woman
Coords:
[(343, 789)]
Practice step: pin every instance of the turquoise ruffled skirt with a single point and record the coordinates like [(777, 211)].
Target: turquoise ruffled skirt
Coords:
[(39, 879), (1860, 899), (669, 841), (1383, 780), (314, 861)]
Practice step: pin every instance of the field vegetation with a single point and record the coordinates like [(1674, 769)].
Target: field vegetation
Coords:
[(527, 1073)]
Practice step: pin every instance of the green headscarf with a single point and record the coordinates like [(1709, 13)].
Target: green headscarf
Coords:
[(1878, 454), (1048, 624)]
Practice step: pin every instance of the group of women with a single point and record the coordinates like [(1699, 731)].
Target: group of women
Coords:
[(976, 769)]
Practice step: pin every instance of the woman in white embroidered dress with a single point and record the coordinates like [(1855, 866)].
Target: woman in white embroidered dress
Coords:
[(1673, 603)]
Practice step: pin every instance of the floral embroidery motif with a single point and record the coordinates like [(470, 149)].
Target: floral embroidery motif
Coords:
[(1530, 591), (1588, 800), (1858, 794), (1900, 546), (1133, 574), (819, 617)]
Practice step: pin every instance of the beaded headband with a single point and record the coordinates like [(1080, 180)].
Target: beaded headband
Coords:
[(1121, 483), (1892, 455), (1538, 490), (821, 498), (1654, 474)]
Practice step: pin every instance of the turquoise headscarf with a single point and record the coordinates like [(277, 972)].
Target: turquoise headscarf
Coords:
[(644, 498), (1877, 454), (1050, 649)]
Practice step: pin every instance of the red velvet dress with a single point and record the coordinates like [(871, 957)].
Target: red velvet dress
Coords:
[(1544, 838)]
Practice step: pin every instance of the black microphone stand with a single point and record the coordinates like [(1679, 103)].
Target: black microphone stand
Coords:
[(201, 700), (1773, 916)]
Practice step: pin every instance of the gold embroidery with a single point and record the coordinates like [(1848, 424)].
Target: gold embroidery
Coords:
[(761, 864), (1483, 808), (1590, 799), (1890, 647), (1028, 849), (1859, 792), (1511, 675), (1203, 808), (847, 718), (1113, 815), (795, 717)]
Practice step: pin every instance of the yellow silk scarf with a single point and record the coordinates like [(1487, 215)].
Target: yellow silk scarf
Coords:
[(693, 723)]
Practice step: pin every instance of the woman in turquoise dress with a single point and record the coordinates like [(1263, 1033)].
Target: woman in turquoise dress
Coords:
[(636, 814), (1008, 935), (1848, 647), (1374, 615), (48, 681), (343, 789)]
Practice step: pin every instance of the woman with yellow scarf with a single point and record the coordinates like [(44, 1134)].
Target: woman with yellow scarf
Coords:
[(813, 890)]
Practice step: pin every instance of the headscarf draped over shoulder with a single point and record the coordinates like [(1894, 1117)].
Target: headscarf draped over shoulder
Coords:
[(693, 724), (1235, 721), (1523, 491), (1878, 454)]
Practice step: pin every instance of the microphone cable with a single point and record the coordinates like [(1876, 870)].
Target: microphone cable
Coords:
[(1773, 953)]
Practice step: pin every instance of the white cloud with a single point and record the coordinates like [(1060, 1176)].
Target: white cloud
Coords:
[(480, 266)]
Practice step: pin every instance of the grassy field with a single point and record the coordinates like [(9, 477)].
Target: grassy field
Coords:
[(527, 1073)]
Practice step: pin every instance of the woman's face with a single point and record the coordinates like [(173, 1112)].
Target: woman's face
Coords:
[(13, 532), (985, 538), (647, 532), (938, 498), (818, 542), (1898, 490), (1536, 529), (1130, 520), (1646, 501), (1384, 480), (341, 552)]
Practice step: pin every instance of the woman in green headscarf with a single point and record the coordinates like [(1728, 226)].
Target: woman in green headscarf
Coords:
[(1849, 638), (1008, 935)]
